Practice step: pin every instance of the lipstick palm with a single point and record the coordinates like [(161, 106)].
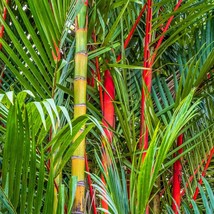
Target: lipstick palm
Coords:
[(37, 33)]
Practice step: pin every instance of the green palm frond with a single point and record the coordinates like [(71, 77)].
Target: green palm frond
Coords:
[(25, 169)]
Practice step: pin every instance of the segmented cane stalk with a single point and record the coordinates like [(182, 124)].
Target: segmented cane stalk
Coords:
[(80, 82)]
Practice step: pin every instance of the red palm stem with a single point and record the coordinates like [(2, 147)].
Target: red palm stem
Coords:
[(147, 77), (191, 178), (91, 191), (91, 82), (182, 192), (177, 174), (108, 107), (164, 32), (104, 163), (147, 74), (195, 171), (109, 95), (2, 27), (203, 174), (131, 33), (108, 118), (2, 34)]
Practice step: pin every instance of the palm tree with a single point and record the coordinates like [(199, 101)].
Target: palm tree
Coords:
[(148, 127)]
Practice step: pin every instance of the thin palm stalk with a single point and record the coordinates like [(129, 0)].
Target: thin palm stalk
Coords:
[(164, 32), (131, 33), (91, 82), (147, 74), (203, 174), (80, 83), (195, 172), (190, 179), (91, 191)]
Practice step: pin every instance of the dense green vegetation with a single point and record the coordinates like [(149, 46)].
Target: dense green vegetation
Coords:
[(107, 106)]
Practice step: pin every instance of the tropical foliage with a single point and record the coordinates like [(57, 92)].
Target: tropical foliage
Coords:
[(107, 106)]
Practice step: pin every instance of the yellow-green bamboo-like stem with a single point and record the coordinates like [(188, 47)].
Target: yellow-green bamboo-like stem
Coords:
[(80, 83)]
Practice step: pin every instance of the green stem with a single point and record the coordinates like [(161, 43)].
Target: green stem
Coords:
[(80, 83)]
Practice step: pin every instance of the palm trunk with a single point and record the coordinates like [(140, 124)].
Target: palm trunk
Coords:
[(80, 83), (177, 173)]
